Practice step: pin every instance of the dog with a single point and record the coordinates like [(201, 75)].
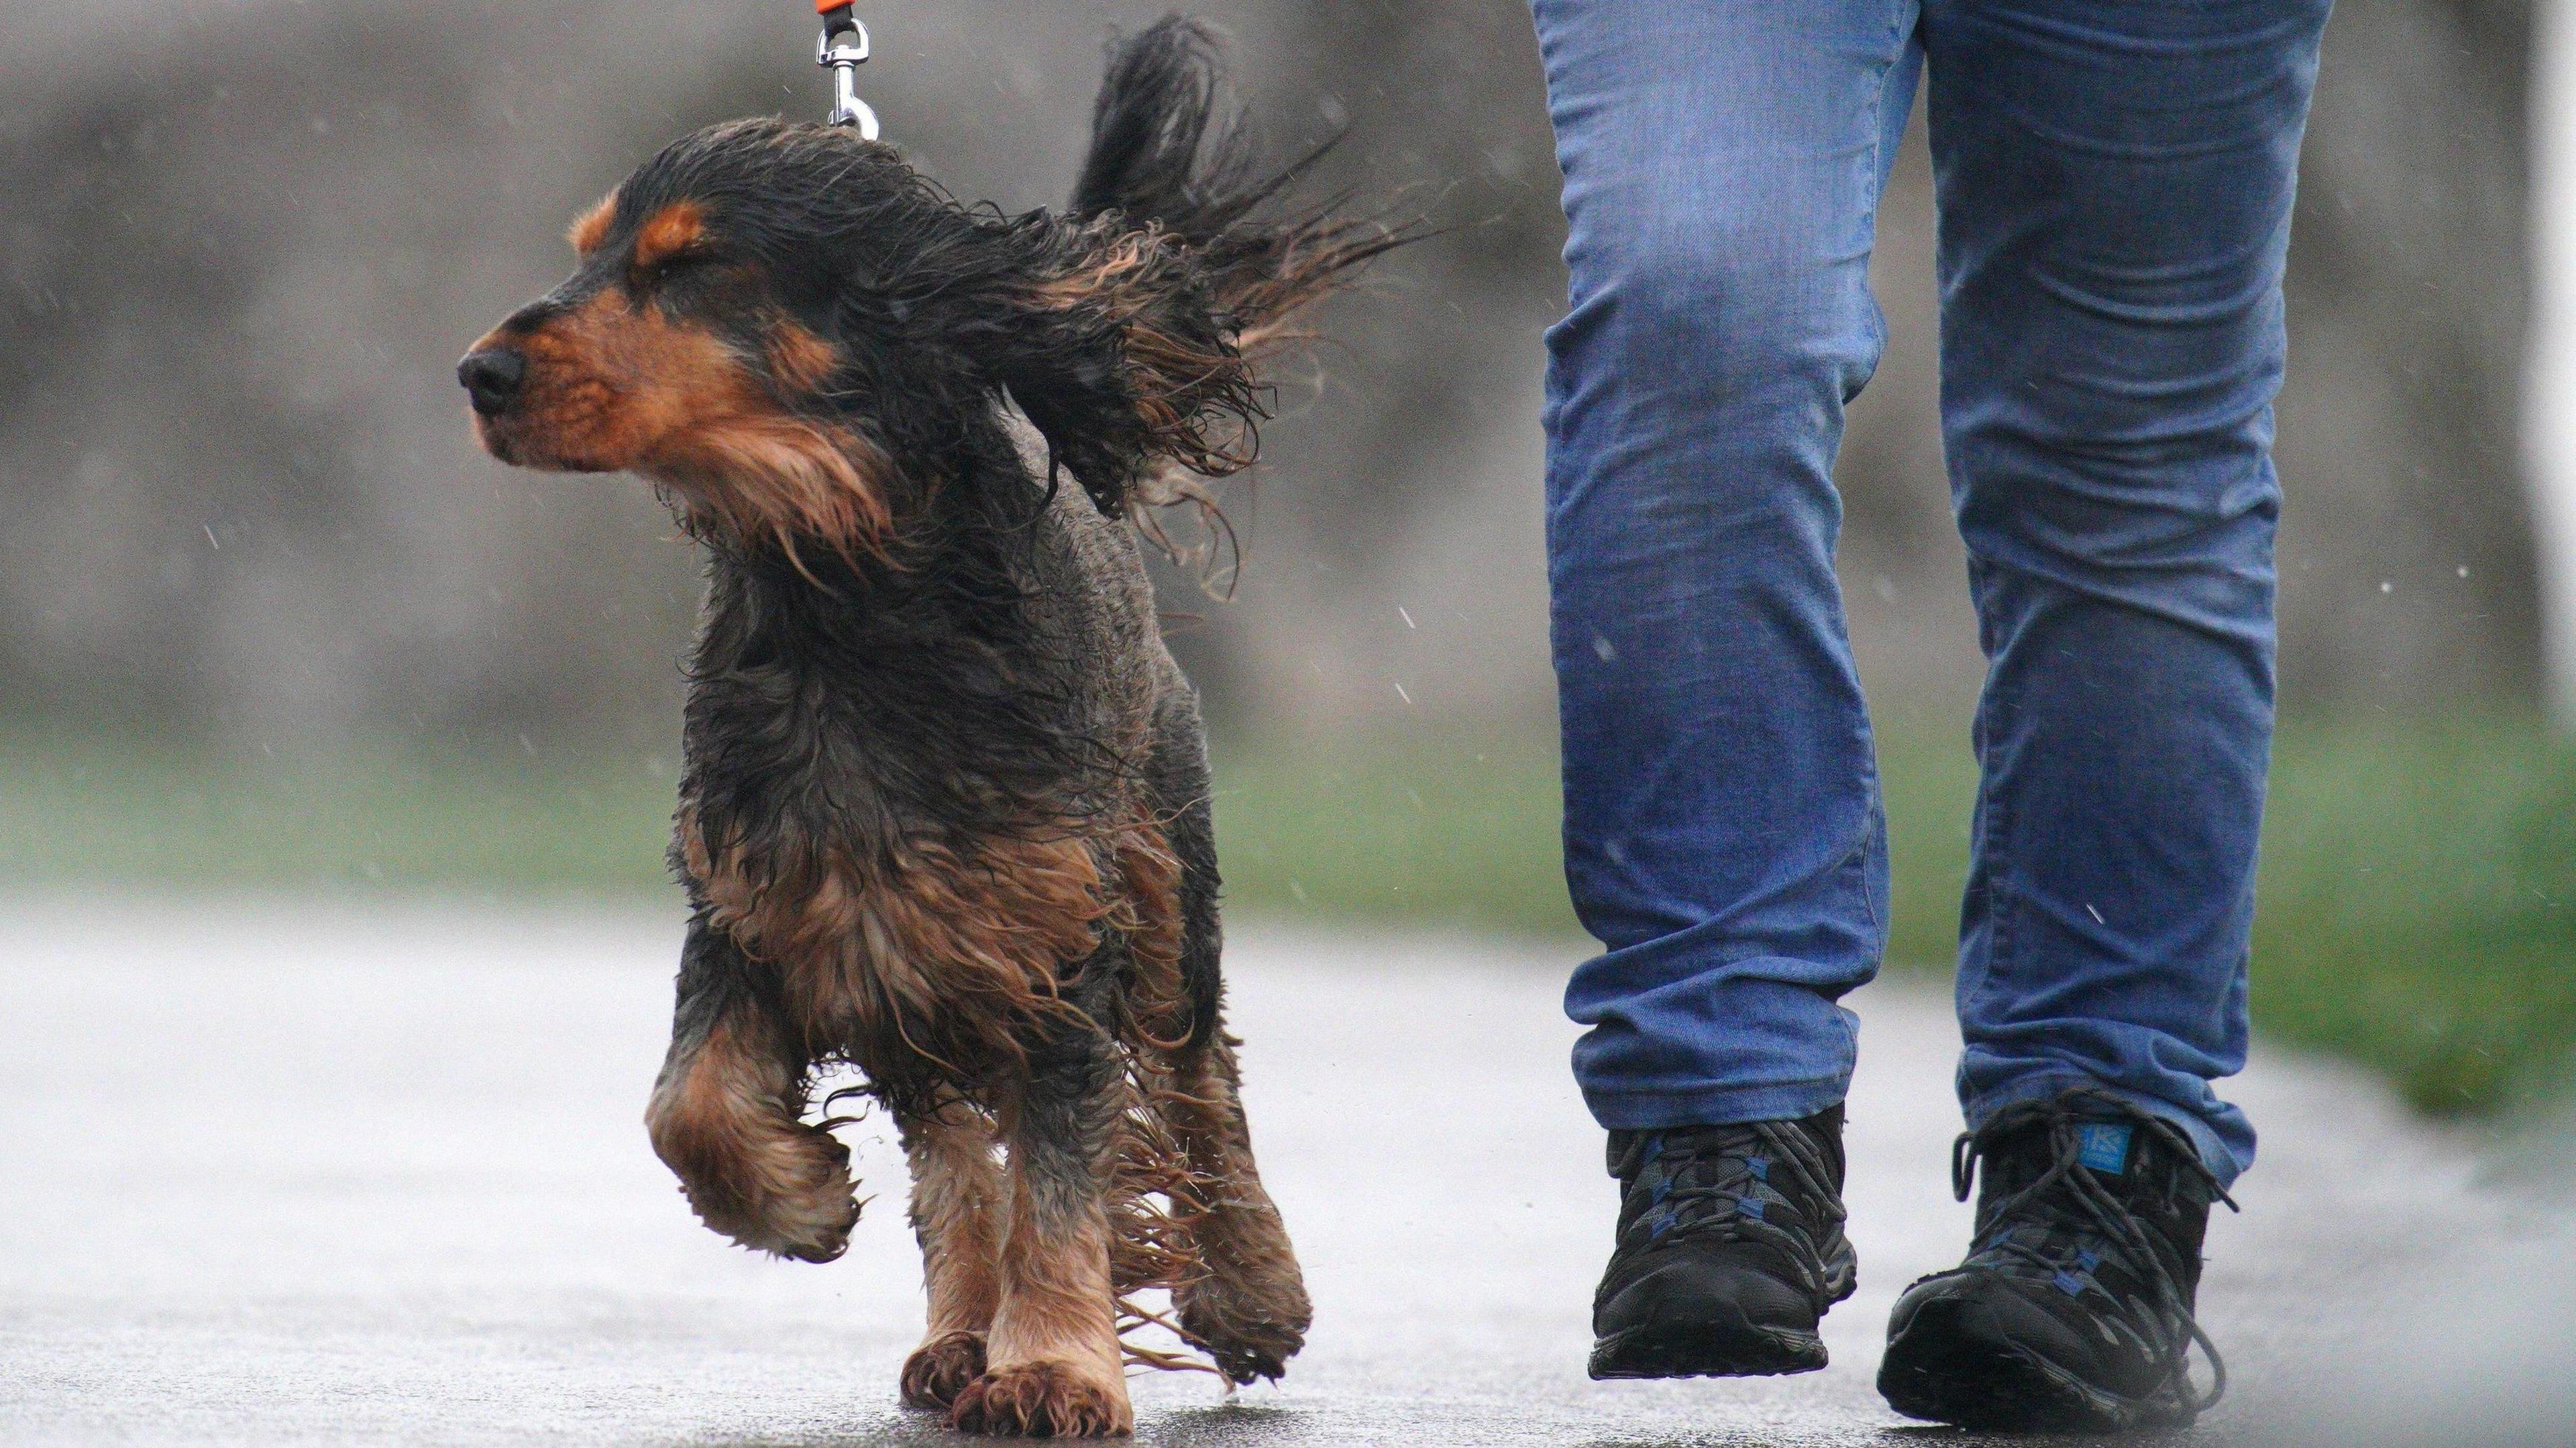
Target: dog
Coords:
[(944, 814)]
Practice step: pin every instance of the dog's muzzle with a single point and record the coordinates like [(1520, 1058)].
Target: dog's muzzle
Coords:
[(491, 378)]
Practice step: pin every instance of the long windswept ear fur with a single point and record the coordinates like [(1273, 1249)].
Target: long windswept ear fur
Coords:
[(1141, 328)]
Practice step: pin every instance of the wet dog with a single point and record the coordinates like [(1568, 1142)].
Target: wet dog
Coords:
[(945, 808)]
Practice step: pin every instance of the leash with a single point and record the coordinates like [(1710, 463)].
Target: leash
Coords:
[(842, 49)]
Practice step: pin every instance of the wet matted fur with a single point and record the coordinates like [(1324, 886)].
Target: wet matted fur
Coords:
[(945, 809)]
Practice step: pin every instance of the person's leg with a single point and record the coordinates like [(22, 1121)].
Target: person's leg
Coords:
[(1723, 837), (1722, 833), (2115, 186), (2115, 183)]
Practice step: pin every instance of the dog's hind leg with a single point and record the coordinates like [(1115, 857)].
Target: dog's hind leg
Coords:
[(726, 1112), (958, 1211), (1055, 1366)]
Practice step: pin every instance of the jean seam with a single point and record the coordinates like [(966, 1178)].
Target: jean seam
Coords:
[(1873, 818), (2055, 1079), (1877, 188), (1695, 1102), (1996, 817)]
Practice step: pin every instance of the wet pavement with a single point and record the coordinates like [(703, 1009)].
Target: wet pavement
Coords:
[(275, 1174)]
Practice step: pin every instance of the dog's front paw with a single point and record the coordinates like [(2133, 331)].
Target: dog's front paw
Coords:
[(791, 1197), (939, 1370), (1251, 1324), (808, 1215), (1044, 1400), (1245, 1342), (777, 1187)]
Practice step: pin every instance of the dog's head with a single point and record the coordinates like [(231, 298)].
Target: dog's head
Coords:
[(796, 334), (703, 338)]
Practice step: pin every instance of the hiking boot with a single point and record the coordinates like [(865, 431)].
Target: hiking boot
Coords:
[(1730, 1249), (2073, 1312)]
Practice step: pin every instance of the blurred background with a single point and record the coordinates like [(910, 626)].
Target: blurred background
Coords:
[(269, 623)]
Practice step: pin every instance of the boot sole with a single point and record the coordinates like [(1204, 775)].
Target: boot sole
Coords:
[(1722, 1349), (1937, 1372), (1706, 1350)]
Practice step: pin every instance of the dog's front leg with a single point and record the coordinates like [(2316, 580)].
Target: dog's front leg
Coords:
[(1248, 1307), (959, 1204), (726, 1111), (1055, 1366)]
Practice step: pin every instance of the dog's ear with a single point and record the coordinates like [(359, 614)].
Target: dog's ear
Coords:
[(1115, 346)]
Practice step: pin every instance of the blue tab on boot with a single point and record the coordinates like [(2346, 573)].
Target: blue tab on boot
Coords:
[(2103, 1146)]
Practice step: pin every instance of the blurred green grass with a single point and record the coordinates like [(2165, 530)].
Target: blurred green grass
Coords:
[(2418, 894), (108, 808), (2416, 906)]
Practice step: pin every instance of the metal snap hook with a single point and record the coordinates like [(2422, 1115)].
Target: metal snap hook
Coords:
[(842, 48)]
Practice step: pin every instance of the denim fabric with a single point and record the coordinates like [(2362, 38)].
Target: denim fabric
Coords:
[(2115, 183)]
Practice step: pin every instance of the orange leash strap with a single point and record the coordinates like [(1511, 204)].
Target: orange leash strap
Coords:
[(842, 49)]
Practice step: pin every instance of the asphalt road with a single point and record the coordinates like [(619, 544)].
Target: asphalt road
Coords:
[(290, 1173)]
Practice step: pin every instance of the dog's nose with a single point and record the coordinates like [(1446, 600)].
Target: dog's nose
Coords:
[(492, 378)]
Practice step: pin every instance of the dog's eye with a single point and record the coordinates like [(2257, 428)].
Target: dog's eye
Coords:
[(676, 264)]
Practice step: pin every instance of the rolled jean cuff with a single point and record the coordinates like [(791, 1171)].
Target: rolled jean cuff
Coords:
[(2039, 1086), (1715, 1105)]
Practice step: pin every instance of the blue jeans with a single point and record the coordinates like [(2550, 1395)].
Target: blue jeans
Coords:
[(2114, 182)]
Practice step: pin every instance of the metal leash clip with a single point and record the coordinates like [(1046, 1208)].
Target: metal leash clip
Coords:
[(843, 48)]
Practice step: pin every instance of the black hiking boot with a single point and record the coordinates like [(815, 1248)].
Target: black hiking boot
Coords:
[(1730, 1249), (2073, 1312)]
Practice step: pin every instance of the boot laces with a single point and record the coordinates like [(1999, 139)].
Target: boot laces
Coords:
[(1725, 1204), (2170, 1330)]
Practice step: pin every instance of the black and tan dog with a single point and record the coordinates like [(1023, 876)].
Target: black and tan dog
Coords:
[(945, 811)]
